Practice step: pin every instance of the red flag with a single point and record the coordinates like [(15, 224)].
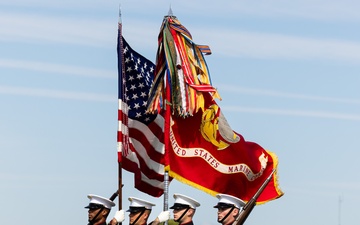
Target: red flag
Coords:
[(140, 135), (207, 154)]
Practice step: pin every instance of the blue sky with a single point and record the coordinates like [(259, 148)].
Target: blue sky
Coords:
[(288, 73)]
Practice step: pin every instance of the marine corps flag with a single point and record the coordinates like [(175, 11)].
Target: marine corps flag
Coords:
[(207, 154), (203, 151)]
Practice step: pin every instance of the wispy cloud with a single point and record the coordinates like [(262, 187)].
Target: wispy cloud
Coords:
[(48, 93), (20, 27), (298, 113), (346, 10), (57, 68), (37, 28), (278, 46), (59, 4), (323, 10), (58, 94), (272, 93)]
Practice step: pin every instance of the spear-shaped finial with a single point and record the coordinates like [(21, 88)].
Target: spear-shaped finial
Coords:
[(170, 13), (120, 13)]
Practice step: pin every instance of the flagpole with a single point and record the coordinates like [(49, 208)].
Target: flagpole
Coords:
[(120, 82), (166, 103), (167, 124), (166, 193), (120, 185)]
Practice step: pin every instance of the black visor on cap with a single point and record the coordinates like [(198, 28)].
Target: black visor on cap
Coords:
[(222, 205), (133, 209), (94, 206), (179, 206)]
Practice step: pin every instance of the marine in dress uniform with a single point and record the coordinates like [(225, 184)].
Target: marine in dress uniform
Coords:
[(184, 209), (99, 208), (140, 210), (228, 208)]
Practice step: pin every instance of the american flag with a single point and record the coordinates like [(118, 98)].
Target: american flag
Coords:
[(140, 135)]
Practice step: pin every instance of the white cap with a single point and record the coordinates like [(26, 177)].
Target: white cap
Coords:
[(229, 200), (184, 200), (96, 201), (137, 202)]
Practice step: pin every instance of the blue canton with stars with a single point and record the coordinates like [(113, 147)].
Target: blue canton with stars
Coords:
[(138, 79)]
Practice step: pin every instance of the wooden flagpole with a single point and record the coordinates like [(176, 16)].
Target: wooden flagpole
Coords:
[(120, 82)]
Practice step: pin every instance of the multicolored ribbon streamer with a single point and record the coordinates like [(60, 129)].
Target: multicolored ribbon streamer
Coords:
[(180, 66)]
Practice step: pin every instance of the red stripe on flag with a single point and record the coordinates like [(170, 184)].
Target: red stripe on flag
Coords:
[(151, 187)]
